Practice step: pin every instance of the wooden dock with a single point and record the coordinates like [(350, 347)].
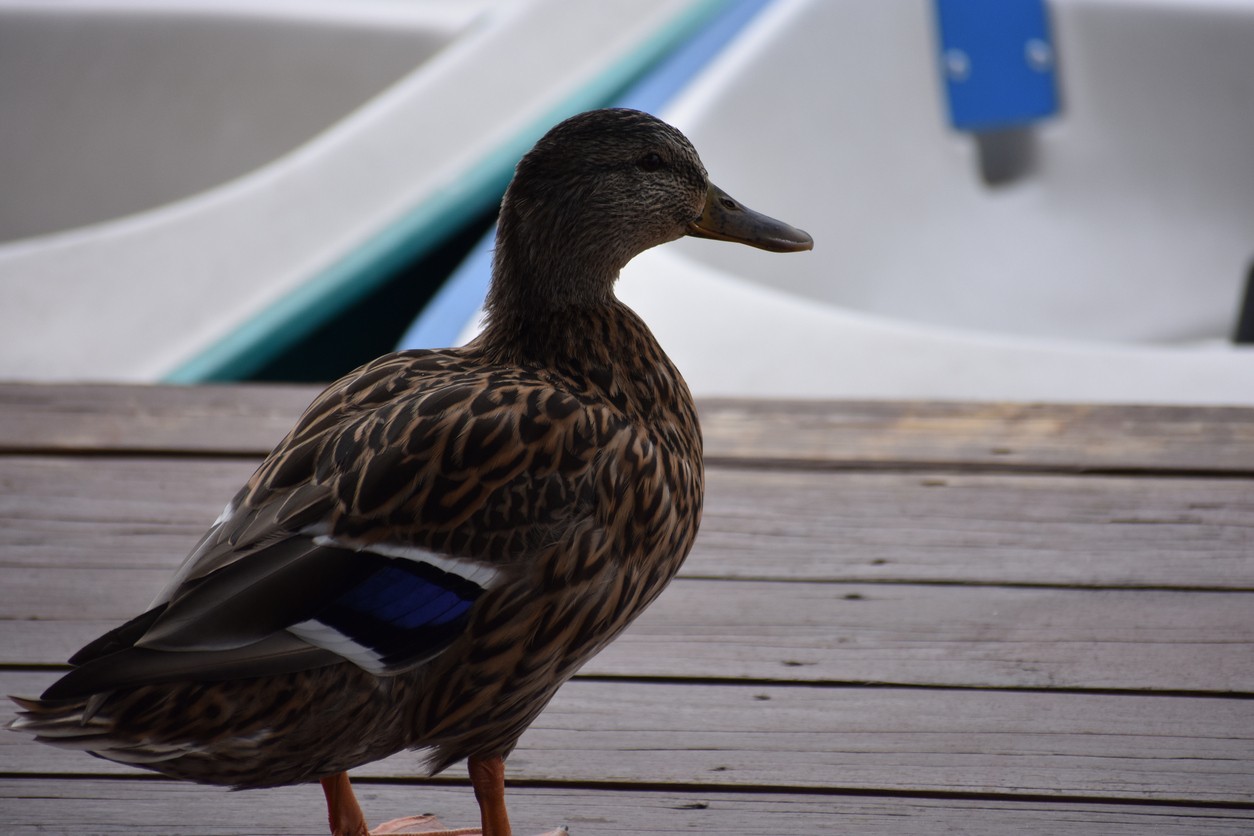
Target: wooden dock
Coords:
[(900, 618)]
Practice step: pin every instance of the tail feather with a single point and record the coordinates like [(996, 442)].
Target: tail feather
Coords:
[(51, 721), (71, 725)]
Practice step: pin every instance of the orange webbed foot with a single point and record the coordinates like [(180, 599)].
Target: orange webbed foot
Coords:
[(431, 826)]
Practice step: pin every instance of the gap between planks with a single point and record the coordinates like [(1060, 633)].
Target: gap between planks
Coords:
[(1061, 531), (175, 809), (988, 743), (450, 781), (951, 636)]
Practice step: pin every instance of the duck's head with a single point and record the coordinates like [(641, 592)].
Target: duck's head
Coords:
[(602, 187)]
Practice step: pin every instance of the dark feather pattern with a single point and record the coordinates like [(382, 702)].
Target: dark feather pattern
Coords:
[(445, 536)]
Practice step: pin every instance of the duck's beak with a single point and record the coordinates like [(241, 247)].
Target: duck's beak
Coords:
[(724, 219)]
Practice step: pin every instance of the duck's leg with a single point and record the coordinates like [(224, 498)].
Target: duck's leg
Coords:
[(343, 811), (487, 775), (347, 819)]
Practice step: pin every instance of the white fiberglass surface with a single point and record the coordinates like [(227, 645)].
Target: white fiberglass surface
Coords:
[(1107, 267), (111, 108), (1130, 218)]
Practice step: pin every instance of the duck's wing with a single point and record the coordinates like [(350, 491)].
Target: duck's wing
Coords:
[(370, 532)]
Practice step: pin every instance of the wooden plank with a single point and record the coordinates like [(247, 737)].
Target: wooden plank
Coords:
[(978, 528), (163, 808), (244, 419), (87, 511), (1000, 435), (251, 418), (996, 743), (901, 527), (887, 633), (942, 636)]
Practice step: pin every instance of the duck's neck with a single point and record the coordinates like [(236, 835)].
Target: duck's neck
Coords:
[(597, 345), (552, 306), (550, 275), (529, 321)]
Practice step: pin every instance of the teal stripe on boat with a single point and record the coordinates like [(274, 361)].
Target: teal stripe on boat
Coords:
[(268, 333)]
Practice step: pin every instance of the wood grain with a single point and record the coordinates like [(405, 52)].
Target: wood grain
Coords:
[(997, 743), (898, 618), (162, 808), (250, 419), (902, 527), (1081, 437), (208, 420), (792, 632), (978, 528)]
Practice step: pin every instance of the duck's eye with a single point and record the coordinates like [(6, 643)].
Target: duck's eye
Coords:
[(650, 162)]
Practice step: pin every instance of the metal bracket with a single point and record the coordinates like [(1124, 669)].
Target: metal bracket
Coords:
[(997, 60)]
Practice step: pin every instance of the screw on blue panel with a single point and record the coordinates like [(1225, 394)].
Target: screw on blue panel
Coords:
[(997, 61)]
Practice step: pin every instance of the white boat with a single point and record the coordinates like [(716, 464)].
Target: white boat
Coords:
[(1098, 254), (1110, 268), (192, 184)]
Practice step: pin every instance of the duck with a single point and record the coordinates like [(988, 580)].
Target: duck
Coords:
[(445, 536)]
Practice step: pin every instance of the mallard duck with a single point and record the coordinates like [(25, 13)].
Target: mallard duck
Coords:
[(445, 536)]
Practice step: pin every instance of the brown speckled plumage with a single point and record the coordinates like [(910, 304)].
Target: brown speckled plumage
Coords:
[(550, 471)]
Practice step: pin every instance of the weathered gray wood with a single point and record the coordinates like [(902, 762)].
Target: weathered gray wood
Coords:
[(243, 419), (1070, 437), (161, 808), (883, 633), (974, 528), (1001, 743), (977, 528), (251, 418), (918, 503), (948, 636), (87, 511)]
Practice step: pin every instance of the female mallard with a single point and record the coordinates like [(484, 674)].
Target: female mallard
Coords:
[(445, 536)]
